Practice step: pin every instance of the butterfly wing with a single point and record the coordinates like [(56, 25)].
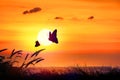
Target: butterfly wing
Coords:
[(50, 36), (53, 36), (54, 33), (37, 44)]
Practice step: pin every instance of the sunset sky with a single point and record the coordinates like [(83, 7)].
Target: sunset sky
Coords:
[(82, 41)]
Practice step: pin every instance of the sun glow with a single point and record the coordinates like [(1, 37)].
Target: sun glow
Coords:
[(43, 36)]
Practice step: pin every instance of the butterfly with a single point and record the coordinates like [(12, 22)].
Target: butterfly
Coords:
[(37, 43), (53, 36)]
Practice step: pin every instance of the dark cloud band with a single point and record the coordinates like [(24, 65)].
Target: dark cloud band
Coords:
[(36, 9)]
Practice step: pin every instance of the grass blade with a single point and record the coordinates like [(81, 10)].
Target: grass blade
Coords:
[(3, 50), (38, 61), (13, 53), (32, 62), (26, 56), (36, 53)]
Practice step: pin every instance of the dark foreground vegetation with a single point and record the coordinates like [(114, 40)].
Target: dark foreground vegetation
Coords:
[(70, 73), (24, 72)]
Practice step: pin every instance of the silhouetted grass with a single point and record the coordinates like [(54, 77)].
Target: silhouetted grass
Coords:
[(7, 69), (73, 73), (23, 72)]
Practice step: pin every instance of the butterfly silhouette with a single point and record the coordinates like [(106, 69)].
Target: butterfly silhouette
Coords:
[(37, 43), (53, 36)]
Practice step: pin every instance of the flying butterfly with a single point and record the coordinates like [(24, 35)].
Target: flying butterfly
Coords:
[(37, 43), (53, 36)]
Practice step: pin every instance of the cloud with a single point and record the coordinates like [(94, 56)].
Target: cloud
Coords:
[(26, 12), (59, 18), (36, 9), (91, 17)]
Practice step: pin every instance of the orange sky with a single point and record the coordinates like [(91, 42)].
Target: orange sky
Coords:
[(81, 41)]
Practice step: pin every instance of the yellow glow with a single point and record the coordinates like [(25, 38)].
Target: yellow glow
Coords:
[(43, 36)]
